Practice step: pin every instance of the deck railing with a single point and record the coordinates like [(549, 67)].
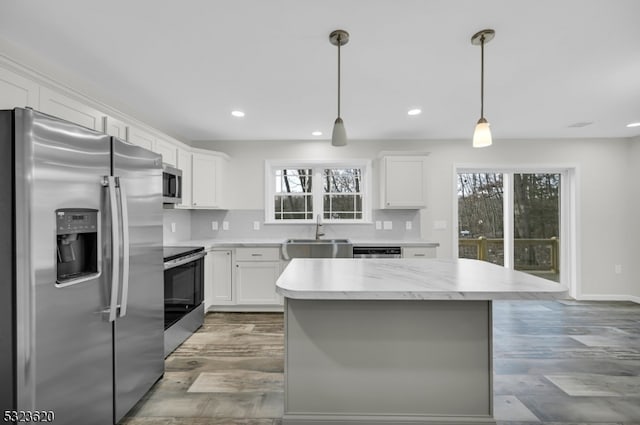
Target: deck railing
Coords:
[(534, 255)]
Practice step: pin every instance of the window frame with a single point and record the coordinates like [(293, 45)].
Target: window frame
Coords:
[(569, 213), (317, 192)]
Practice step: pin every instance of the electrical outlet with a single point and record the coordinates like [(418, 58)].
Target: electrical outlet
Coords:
[(225, 225), (256, 225), (617, 268), (173, 227), (387, 225), (214, 225), (378, 225), (408, 225)]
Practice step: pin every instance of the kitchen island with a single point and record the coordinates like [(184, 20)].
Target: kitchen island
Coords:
[(394, 341)]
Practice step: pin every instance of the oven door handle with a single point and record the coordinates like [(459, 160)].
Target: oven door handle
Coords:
[(184, 260)]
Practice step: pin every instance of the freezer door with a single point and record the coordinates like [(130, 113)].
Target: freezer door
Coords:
[(64, 350), (139, 328)]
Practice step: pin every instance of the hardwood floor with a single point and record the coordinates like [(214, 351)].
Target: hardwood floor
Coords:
[(555, 363)]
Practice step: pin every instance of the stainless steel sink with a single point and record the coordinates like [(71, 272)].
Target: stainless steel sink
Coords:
[(317, 248)]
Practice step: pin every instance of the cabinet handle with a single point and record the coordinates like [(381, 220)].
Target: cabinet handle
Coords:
[(418, 255), (256, 255)]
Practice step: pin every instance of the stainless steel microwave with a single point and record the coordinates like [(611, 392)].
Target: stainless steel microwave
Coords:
[(171, 184)]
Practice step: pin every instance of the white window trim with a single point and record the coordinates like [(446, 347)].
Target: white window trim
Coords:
[(569, 217), (316, 192)]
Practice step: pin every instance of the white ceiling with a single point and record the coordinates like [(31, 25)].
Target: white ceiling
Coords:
[(182, 66)]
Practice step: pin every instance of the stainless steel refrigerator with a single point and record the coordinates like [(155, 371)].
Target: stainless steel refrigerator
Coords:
[(81, 270)]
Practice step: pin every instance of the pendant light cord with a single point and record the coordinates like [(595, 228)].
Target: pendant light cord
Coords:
[(339, 44), (482, 76)]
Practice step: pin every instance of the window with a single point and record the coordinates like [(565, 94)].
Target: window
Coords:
[(293, 198), (342, 193), (515, 218), (299, 191)]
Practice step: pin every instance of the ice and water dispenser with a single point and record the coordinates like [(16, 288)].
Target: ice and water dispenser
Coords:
[(77, 244)]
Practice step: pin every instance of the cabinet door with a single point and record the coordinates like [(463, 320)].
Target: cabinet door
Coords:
[(140, 137), (403, 182), (204, 183), (222, 283), (184, 164), (168, 151), (418, 252), (116, 128), (256, 282), (17, 91), (61, 106)]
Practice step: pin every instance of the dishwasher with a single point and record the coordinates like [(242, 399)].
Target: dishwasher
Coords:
[(377, 252)]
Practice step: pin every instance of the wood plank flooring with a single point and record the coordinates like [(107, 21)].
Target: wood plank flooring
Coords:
[(555, 363)]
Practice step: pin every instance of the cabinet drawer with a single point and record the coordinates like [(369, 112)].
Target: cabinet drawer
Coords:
[(257, 254), (418, 252)]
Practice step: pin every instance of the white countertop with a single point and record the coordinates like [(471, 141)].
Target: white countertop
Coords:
[(410, 279), (277, 242)]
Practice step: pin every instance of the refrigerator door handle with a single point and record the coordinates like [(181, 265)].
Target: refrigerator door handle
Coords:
[(125, 248), (115, 246)]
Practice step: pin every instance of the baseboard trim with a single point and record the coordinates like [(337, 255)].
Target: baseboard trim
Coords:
[(608, 297), (320, 419)]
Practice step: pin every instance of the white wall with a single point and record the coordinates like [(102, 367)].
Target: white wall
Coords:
[(605, 208), (633, 236)]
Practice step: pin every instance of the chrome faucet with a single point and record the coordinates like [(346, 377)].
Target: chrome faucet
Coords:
[(318, 226)]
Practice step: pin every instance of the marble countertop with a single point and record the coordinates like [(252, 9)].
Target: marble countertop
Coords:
[(411, 279), (393, 242), (277, 242)]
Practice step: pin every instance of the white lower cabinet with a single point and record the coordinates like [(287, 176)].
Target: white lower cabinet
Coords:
[(243, 279), (218, 277), (256, 282)]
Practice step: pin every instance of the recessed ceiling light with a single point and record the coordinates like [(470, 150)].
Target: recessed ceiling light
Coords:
[(580, 124), (238, 114), (415, 111), (634, 124), (317, 133)]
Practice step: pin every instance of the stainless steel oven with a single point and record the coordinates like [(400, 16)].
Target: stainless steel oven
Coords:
[(183, 293)]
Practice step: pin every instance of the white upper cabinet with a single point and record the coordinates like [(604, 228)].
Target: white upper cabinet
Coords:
[(168, 150), (140, 137), (17, 91), (402, 182), (207, 172), (184, 164), (115, 128), (61, 106)]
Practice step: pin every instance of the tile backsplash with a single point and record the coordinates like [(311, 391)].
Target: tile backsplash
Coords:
[(249, 224)]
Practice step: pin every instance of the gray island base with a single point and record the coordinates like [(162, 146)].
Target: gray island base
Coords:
[(399, 341)]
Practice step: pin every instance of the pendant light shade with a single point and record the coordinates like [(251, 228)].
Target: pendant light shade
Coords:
[(482, 133), (339, 137)]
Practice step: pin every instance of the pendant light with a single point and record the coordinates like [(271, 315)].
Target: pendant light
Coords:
[(482, 134), (339, 137)]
